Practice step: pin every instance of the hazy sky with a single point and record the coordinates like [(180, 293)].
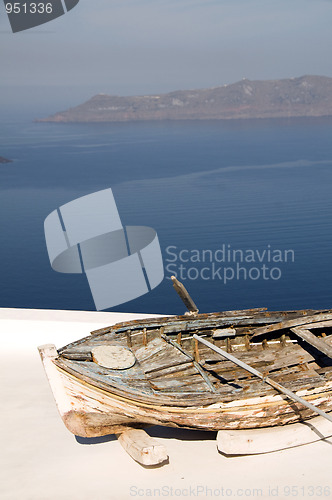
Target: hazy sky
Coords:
[(144, 46)]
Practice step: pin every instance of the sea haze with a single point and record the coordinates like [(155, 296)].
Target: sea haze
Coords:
[(262, 187)]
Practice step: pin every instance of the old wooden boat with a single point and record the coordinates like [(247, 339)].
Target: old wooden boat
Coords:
[(166, 371)]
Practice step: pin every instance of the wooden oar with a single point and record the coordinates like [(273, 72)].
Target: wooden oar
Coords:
[(260, 375)]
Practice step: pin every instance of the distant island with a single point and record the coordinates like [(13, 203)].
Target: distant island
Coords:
[(294, 97), (4, 160)]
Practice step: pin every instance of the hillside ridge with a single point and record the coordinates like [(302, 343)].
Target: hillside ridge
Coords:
[(294, 97)]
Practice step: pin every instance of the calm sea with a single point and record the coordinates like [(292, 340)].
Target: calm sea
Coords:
[(259, 188)]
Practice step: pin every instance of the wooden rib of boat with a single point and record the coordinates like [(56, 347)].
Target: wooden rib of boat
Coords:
[(156, 372)]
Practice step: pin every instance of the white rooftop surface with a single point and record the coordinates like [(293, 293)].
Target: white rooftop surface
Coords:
[(41, 460)]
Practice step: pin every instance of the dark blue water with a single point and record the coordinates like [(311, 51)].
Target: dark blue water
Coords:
[(252, 186)]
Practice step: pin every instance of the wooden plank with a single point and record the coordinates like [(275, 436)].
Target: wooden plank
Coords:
[(241, 320), (184, 367), (194, 383), (266, 440), (157, 367), (208, 320), (142, 448), (311, 339), (145, 354), (320, 324), (290, 323), (223, 332), (164, 320), (159, 355)]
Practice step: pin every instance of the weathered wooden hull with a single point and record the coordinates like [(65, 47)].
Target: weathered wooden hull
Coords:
[(90, 411)]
